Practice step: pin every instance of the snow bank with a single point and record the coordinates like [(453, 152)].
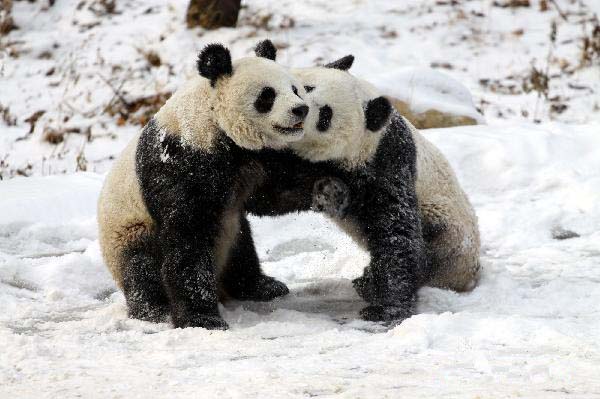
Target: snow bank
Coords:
[(531, 328), (425, 89)]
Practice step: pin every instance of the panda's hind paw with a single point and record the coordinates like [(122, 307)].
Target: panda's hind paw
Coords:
[(263, 289), (209, 322), (392, 315)]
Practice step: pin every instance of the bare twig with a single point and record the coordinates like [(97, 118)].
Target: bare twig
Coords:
[(116, 91), (560, 12)]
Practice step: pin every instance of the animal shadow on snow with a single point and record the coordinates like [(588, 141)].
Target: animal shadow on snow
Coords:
[(333, 299)]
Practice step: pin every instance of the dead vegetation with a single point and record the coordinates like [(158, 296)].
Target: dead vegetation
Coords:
[(6, 20), (590, 45), (137, 111), (57, 136), (212, 14), (7, 117), (511, 3)]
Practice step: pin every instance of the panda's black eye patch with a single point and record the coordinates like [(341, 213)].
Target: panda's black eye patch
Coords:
[(295, 90), (265, 100), (309, 88), (325, 114)]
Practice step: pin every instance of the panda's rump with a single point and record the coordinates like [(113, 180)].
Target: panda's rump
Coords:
[(122, 214), (449, 221)]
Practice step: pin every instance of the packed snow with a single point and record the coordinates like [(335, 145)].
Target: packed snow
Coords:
[(531, 328)]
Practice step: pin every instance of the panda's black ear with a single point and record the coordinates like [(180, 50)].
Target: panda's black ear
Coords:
[(377, 113), (213, 62), (343, 63), (266, 49)]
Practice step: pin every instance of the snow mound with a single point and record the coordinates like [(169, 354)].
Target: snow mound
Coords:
[(530, 328), (425, 89)]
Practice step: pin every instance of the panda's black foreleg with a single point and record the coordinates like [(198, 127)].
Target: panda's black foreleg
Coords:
[(392, 227), (142, 285), (188, 275), (242, 277)]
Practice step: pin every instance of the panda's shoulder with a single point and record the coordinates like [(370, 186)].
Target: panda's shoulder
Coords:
[(162, 152), (397, 143)]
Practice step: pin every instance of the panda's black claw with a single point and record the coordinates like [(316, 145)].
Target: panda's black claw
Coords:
[(146, 312), (389, 314), (273, 289), (262, 289), (208, 322)]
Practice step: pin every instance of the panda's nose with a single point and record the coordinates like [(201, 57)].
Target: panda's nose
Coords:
[(300, 111)]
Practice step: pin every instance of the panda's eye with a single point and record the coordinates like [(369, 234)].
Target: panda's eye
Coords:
[(309, 88), (265, 100), (325, 115)]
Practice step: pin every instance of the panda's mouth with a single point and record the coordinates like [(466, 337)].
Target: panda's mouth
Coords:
[(297, 128)]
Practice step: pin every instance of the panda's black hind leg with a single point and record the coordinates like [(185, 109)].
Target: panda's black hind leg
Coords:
[(142, 284), (243, 278)]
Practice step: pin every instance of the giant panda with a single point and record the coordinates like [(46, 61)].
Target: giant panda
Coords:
[(448, 219), (358, 141), (172, 228), (381, 170)]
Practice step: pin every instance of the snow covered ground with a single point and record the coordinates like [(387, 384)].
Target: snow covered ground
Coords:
[(530, 329)]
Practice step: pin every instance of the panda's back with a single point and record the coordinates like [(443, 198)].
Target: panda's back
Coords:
[(122, 214)]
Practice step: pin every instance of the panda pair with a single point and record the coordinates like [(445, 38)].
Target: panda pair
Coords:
[(252, 136)]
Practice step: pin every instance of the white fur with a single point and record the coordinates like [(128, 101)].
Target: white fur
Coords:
[(347, 140), (122, 215), (198, 111), (441, 199)]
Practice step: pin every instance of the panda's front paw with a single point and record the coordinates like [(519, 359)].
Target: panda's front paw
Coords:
[(210, 322), (386, 313), (331, 196)]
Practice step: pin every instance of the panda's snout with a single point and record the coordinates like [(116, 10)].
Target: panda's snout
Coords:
[(300, 111)]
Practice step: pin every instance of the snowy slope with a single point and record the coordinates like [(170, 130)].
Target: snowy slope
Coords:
[(530, 329), (68, 59)]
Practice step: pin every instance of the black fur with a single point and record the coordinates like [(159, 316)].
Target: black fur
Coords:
[(288, 184), (325, 115), (266, 49), (343, 63), (243, 278), (383, 204), (213, 62), (142, 283), (265, 100), (377, 113), (187, 192), (332, 196), (308, 89)]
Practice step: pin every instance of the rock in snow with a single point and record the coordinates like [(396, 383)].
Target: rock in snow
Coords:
[(429, 99)]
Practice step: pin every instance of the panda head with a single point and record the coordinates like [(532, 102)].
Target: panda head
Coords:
[(347, 115), (256, 102)]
